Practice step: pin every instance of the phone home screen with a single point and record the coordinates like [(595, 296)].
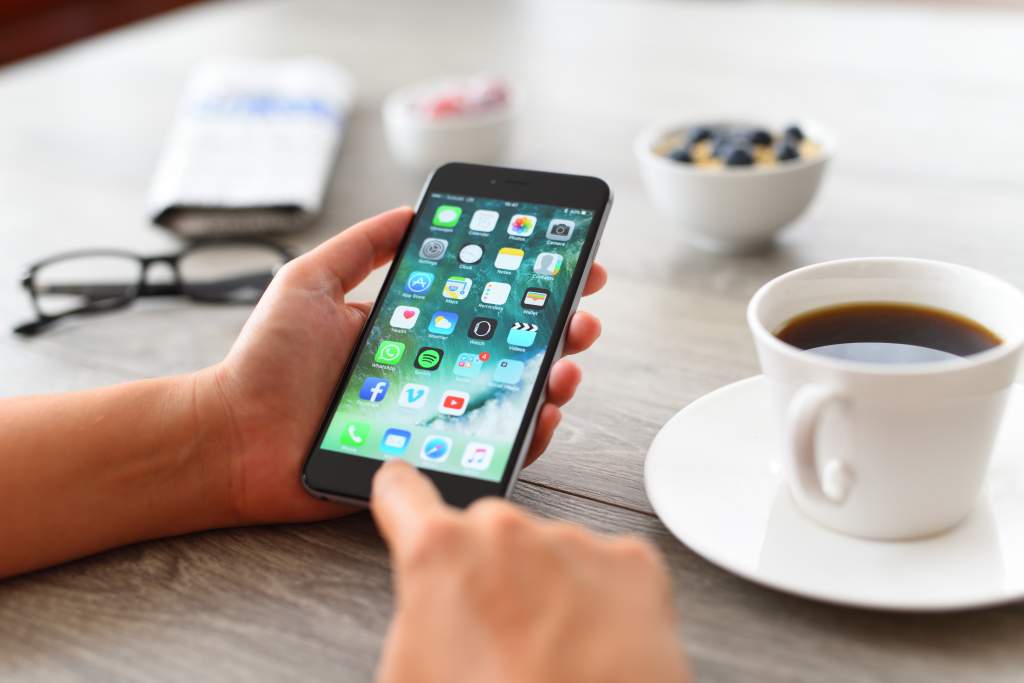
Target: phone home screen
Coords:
[(446, 372)]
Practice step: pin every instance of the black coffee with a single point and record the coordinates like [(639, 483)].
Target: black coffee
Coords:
[(887, 333)]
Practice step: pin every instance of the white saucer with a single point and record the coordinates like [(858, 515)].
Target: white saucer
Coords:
[(710, 477)]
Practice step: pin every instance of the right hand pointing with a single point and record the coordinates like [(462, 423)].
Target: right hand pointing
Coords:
[(494, 595)]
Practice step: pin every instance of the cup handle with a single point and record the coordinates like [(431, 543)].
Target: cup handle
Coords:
[(834, 482)]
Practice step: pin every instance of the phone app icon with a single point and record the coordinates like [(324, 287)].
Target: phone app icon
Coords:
[(560, 229), (354, 434), (482, 328), (548, 264), (443, 322), (477, 456), (483, 220), (508, 371), (509, 258), (457, 288), (522, 225), (419, 282), (389, 352), (447, 216), (436, 448), (470, 364), (374, 389), (453, 403), (405, 317), (522, 334), (395, 441), (535, 297), (428, 358), (433, 248), (496, 293), (471, 254), (413, 396)]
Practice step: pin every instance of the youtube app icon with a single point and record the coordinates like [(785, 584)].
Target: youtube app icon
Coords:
[(453, 403)]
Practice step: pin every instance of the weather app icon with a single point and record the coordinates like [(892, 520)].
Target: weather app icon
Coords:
[(443, 322), (419, 282)]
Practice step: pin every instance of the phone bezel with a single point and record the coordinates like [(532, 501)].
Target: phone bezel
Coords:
[(323, 467)]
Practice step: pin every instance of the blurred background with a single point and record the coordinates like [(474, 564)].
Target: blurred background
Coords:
[(923, 99)]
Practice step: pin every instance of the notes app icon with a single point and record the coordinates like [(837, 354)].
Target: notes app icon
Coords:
[(509, 258)]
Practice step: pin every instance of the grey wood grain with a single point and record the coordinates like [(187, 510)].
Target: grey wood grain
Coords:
[(277, 603), (923, 100)]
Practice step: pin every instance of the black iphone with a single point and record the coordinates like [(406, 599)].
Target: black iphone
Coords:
[(449, 373)]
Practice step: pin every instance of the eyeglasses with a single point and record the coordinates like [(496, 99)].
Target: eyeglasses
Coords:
[(97, 280)]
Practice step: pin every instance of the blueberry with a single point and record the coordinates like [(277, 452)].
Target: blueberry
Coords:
[(723, 146), (759, 136), (793, 133), (681, 154), (739, 157), (700, 134), (787, 150)]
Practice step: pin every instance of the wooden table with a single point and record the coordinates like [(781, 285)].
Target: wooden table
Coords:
[(926, 102)]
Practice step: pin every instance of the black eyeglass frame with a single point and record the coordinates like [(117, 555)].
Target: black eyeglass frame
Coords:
[(142, 288)]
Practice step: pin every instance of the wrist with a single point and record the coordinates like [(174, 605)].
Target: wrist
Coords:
[(214, 448)]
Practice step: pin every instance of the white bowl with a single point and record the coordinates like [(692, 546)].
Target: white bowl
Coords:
[(423, 144), (733, 209)]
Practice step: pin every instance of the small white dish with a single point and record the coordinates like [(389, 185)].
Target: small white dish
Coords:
[(712, 477), (422, 144), (736, 209)]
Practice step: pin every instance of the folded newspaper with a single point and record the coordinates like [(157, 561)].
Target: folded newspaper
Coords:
[(253, 147)]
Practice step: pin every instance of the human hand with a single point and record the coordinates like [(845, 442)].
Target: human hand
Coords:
[(270, 392), (523, 599)]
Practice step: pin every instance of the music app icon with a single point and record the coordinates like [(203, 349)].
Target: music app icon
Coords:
[(477, 456)]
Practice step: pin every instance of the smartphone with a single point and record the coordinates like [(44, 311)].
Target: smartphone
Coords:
[(451, 368)]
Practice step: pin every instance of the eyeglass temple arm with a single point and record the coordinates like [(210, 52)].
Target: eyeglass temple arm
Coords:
[(33, 328)]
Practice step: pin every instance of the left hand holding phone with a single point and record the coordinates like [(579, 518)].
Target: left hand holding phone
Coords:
[(525, 599), (271, 389), (222, 446)]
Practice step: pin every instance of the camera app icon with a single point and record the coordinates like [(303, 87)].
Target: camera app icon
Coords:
[(560, 229)]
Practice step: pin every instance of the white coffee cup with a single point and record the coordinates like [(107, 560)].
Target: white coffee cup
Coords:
[(888, 451)]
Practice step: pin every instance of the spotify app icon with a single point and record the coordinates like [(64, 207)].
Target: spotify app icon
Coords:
[(428, 358)]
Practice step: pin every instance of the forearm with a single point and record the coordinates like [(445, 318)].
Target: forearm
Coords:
[(92, 470)]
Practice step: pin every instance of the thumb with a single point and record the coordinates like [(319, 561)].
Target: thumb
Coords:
[(354, 253)]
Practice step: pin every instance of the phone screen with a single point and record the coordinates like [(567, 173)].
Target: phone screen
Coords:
[(458, 340)]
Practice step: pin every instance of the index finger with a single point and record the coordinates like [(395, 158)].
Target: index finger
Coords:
[(401, 499)]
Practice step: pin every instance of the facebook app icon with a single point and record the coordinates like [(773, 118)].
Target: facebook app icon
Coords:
[(374, 389)]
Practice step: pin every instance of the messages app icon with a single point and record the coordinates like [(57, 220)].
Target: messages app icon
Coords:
[(446, 216)]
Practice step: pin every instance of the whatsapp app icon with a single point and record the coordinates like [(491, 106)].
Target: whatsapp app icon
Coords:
[(389, 352)]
